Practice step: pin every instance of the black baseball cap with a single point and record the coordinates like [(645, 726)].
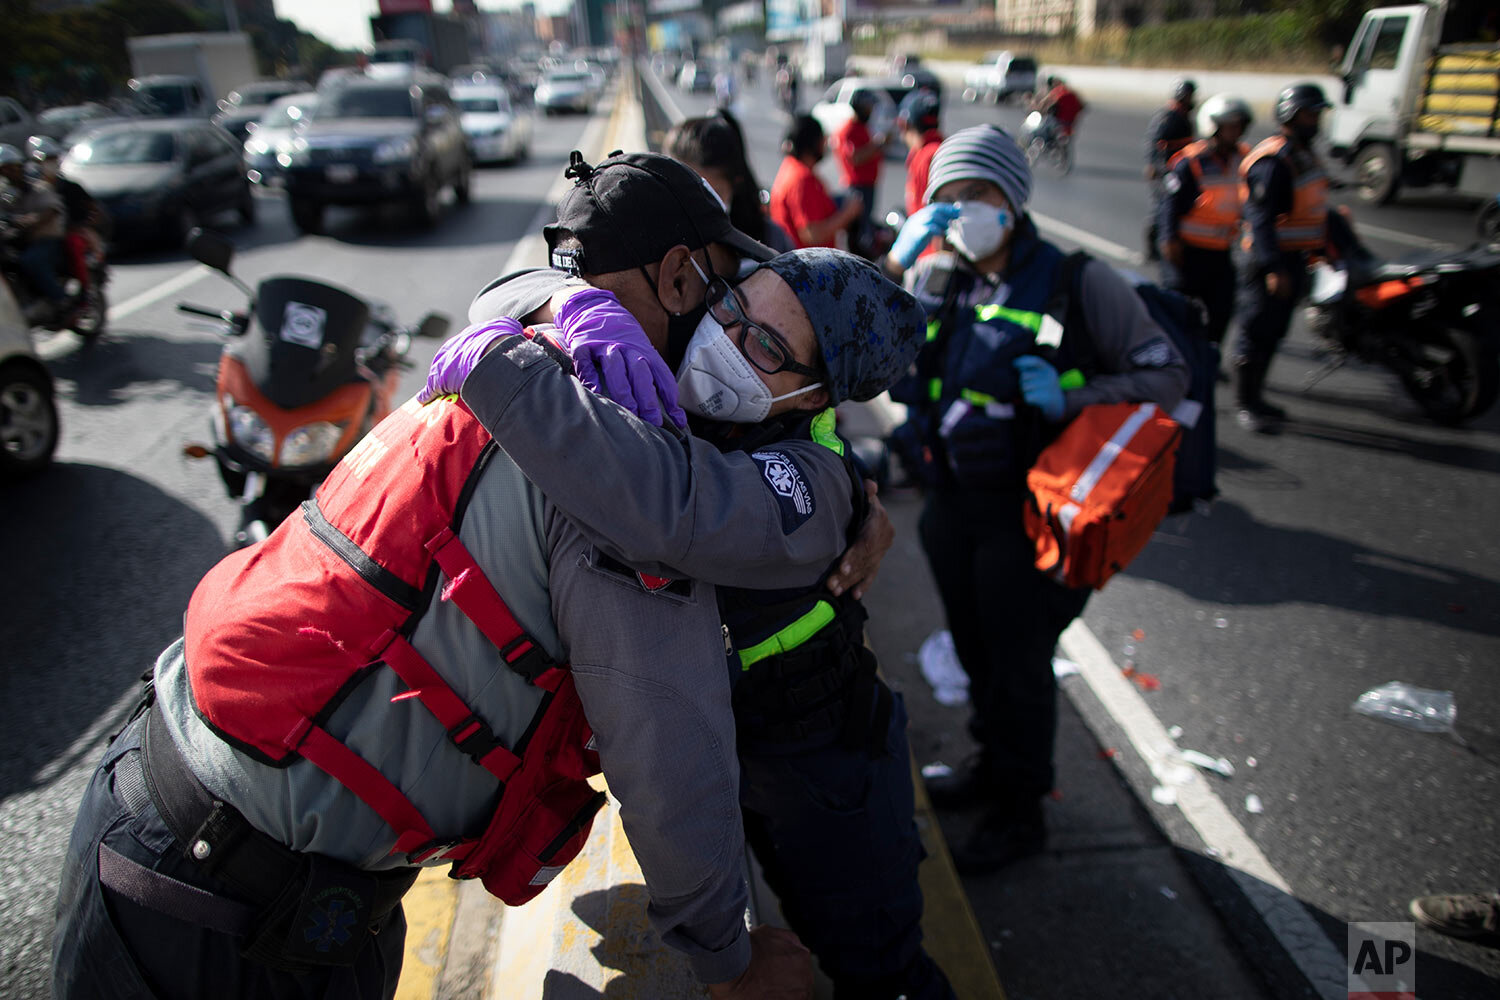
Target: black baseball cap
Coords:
[(631, 208)]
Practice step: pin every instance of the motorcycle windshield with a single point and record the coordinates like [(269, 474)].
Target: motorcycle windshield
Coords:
[(306, 342)]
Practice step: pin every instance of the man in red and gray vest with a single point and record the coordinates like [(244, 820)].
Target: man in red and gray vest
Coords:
[(366, 691)]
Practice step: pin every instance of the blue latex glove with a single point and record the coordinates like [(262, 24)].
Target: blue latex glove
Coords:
[(1040, 386), (614, 358), (924, 224), (458, 356)]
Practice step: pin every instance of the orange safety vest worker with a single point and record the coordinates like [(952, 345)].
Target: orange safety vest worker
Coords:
[(1215, 215), (1305, 227)]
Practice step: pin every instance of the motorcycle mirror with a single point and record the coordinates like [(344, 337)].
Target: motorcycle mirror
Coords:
[(434, 326), (210, 248)]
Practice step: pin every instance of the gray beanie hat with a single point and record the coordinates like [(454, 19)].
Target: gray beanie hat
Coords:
[(868, 327), (987, 153)]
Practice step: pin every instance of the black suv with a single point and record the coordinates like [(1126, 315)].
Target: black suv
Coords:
[(378, 141)]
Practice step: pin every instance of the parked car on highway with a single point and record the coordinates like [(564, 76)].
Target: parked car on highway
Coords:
[(378, 142), (247, 103), (28, 415), (999, 76), (835, 107), (272, 138), (494, 127), (73, 120), (564, 90), (158, 178)]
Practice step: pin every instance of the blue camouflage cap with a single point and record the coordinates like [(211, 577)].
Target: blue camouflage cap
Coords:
[(868, 327)]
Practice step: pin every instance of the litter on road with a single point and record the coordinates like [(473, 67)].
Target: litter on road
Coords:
[(1218, 765), (1253, 804), (1166, 796), (1422, 709), (940, 666)]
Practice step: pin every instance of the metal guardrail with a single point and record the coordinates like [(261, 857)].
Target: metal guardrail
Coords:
[(656, 104)]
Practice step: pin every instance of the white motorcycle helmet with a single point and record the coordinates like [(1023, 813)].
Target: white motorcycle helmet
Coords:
[(1219, 109)]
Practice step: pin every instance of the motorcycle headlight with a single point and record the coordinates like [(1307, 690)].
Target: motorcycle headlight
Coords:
[(250, 432), (395, 150), (311, 444)]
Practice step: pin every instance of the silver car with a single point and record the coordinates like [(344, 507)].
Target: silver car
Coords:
[(494, 128), (28, 416), (565, 90), (272, 137)]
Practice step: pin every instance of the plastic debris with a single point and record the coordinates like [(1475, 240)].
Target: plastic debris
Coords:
[(1218, 765), (1221, 623), (1254, 805), (1063, 668), (1251, 762), (1128, 649), (1142, 680), (1422, 709), (1213, 852), (1166, 796), (940, 666), (937, 769), (1138, 635), (1167, 891), (1108, 753), (1175, 732)]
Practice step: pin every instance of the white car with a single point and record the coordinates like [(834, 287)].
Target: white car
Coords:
[(28, 416), (494, 128), (835, 108), (273, 135), (565, 90)]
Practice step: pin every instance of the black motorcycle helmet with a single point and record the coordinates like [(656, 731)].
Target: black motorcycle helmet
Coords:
[(1299, 97), (1184, 90)]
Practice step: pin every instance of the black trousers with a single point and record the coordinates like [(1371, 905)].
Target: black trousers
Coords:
[(1005, 617), (1209, 277)]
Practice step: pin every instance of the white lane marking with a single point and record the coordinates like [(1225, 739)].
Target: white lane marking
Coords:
[(1323, 965), (175, 283), (1397, 236), (1084, 238)]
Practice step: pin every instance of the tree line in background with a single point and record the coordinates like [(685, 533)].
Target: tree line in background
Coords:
[(75, 54)]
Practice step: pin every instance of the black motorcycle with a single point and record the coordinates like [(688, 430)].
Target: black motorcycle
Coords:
[(1430, 319), (308, 370)]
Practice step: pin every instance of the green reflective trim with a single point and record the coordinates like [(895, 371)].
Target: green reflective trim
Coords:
[(933, 326), (935, 389), (1071, 379), (976, 397), (1021, 317), (791, 637), (824, 434)]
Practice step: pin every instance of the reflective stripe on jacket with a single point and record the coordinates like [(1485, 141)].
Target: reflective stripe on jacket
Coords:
[(1214, 218), (1305, 227)]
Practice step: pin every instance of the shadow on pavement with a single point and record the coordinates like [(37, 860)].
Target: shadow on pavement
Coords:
[(648, 969), (1237, 560), (123, 365), (83, 546)]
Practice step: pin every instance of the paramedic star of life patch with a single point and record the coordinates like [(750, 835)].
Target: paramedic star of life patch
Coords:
[(784, 478)]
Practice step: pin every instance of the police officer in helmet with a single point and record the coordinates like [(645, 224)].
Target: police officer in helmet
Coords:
[(1285, 195), (1200, 213), (1169, 131)]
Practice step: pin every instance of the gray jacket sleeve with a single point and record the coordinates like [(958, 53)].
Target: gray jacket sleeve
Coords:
[(661, 502), (1136, 359), (651, 673)]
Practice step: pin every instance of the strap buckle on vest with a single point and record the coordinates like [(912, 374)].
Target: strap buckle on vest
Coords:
[(474, 737), (526, 658), (433, 850)]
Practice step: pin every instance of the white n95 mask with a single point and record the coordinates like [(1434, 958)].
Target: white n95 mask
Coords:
[(716, 381), (979, 229)]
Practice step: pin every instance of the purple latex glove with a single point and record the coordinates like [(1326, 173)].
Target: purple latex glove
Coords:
[(614, 358), (458, 356)]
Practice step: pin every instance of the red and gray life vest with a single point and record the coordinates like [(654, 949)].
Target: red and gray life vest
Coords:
[(278, 633)]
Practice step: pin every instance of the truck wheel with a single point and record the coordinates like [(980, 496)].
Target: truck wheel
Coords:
[(307, 215), (1377, 173), (28, 420)]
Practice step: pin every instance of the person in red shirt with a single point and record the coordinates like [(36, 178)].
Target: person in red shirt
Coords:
[(1061, 103), (859, 152), (800, 203)]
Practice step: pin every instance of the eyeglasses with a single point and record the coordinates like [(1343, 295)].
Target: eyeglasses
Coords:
[(765, 348)]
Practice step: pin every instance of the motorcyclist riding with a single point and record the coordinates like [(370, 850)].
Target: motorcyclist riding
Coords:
[(84, 216), (37, 213)]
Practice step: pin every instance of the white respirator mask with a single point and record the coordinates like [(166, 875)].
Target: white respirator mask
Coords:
[(979, 230), (716, 381)]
